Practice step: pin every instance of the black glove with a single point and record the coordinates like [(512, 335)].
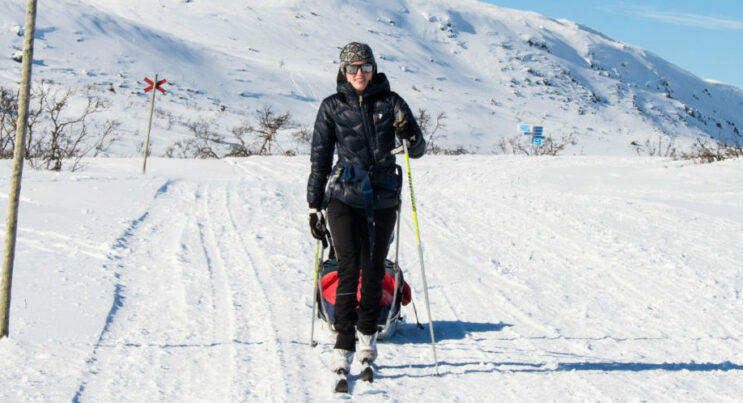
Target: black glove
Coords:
[(317, 226), (403, 130)]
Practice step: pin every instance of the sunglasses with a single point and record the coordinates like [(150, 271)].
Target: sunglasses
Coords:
[(366, 68)]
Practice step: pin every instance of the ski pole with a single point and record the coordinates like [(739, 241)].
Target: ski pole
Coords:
[(313, 343), (420, 253)]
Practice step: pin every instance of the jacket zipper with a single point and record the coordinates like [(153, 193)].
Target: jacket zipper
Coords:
[(369, 132)]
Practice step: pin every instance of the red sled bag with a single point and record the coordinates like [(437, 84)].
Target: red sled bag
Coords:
[(390, 303)]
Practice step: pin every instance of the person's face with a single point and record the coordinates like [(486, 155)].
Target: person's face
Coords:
[(359, 80)]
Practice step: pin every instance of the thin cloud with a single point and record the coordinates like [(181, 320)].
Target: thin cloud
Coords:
[(686, 19)]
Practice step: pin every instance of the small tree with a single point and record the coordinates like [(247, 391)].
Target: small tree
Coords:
[(432, 130), (268, 126)]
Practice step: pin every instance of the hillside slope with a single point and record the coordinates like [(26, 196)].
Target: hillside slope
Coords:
[(487, 68)]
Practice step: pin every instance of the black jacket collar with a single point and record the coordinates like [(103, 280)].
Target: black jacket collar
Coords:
[(378, 85)]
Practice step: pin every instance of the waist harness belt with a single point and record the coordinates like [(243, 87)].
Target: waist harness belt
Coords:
[(368, 180)]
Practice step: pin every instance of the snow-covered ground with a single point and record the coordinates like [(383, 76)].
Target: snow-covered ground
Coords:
[(550, 279), (587, 278)]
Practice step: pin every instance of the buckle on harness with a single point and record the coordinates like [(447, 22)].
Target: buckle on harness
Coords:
[(336, 174)]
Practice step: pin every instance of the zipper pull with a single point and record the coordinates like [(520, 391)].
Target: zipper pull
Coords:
[(361, 100)]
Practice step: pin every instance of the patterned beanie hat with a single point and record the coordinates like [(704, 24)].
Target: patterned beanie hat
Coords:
[(354, 52)]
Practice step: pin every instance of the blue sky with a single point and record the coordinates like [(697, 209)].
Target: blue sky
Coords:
[(702, 37)]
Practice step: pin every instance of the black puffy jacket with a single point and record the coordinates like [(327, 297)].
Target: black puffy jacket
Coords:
[(361, 128)]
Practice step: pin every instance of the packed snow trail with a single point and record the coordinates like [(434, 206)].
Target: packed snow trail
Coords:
[(549, 278), (209, 283)]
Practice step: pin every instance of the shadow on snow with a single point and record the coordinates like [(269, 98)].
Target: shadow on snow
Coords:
[(443, 330), (448, 368), (457, 330)]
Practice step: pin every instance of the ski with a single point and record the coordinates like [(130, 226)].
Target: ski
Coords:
[(367, 372), (341, 382)]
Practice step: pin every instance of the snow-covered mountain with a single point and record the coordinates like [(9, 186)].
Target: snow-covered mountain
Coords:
[(488, 68)]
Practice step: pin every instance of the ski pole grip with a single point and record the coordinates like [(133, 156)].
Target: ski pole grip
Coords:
[(399, 116)]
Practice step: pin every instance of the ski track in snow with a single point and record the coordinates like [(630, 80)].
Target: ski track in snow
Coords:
[(220, 280), (161, 268), (539, 291)]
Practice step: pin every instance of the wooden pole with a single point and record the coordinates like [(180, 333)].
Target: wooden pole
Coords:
[(149, 126), (17, 170)]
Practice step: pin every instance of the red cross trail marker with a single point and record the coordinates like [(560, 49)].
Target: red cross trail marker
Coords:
[(153, 84)]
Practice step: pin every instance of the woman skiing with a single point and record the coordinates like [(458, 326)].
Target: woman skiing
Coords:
[(360, 121)]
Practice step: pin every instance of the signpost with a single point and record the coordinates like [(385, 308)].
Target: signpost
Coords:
[(537, 136), (153, 84), (536, 133)]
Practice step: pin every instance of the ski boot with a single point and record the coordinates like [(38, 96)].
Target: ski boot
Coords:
[(340, 366), (366, 355)]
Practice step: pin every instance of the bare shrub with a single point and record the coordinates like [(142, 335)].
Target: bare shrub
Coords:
[(258, 139), (242, 147), (168, 116), (66, 133), (705, 152), (8, 121), (459, 150), (58, 134), (106, 137), (268, 126), (303, 137), (521, 144), (201, 145), (660, 148), (432, 130)]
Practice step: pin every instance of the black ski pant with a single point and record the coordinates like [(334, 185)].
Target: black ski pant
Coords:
[(348, 229)]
